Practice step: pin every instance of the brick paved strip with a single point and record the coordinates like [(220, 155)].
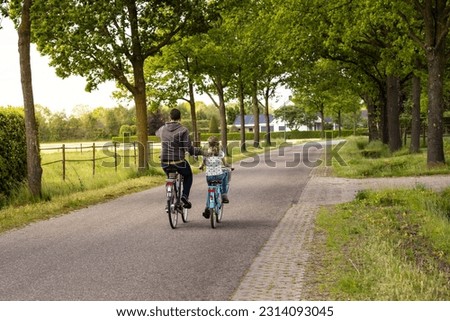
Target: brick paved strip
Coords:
[(277, 272)]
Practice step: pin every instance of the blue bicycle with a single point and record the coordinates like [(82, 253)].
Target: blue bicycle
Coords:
[(214, 202)]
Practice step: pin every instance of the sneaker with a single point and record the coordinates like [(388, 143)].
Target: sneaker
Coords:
[(206, 213), (225, 198), (186, 203)]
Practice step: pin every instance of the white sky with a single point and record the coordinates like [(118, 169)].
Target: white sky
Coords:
[(49, 90)]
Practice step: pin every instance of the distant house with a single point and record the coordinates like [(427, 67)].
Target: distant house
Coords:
[(276, 125)]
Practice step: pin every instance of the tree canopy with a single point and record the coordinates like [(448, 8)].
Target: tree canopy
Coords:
[(333, 55)]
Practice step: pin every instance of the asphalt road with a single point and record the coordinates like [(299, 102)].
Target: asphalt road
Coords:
[(125, 249)]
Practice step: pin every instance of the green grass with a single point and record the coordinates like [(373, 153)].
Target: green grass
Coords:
[(15, 216), (363, 159), (389, 245)]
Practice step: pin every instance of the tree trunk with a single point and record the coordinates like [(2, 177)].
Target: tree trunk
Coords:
[(339, 123), (436, 21), (393, 112), (256, 137), (435, 143), (322, 120), (223, 115), (138, 89), (242, 112), (141, 116), (384, 127), (34, 169), (415, 115), (195, 133), (266, 113), (372, 117)]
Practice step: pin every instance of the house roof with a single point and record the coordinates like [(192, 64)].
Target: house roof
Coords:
[(250, 120)]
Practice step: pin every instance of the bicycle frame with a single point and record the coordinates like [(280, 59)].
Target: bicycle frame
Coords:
[(214, 192)]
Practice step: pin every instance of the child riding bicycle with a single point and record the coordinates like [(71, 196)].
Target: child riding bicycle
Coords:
[(216, 169)]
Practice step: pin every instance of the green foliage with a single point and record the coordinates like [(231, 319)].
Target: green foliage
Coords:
[(93, 38), (84, 124), (126, 129), (133, 138), (13, 154), (293, 116), (3, 10), (213, 125)]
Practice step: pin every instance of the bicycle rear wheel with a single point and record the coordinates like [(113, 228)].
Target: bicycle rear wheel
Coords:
[(184, 215), (213, 217), (172, 211), (220, 213)]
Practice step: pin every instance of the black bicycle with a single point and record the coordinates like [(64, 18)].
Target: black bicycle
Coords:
[(174, 206)]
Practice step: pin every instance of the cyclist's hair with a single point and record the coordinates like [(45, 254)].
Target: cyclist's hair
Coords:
[(175, 114), (213, 146)]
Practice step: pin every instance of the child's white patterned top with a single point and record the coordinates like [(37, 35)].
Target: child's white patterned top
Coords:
[(214, 165)]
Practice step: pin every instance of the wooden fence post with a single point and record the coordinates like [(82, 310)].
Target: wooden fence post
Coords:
[(115, 155), (64, 161), (93, 159), (134, 150)]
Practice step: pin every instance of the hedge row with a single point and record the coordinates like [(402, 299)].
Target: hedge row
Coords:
[(13, 153), (274, 135)]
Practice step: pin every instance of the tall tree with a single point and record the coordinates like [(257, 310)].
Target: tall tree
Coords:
[(428, 24), (34, 169), (110, 40), (217, 64), (173, 74)]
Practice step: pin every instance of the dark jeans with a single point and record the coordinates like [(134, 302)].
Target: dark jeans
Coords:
[(184, 169)]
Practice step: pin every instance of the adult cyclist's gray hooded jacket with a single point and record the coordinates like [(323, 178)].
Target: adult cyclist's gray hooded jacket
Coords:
[(175, 142)]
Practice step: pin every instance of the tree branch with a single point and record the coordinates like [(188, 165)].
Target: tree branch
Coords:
[(167, 40)]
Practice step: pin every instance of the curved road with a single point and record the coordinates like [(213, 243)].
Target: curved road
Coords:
[(125, 249)]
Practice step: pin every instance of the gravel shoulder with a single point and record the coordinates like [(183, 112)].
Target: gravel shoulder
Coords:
[(278, 273)]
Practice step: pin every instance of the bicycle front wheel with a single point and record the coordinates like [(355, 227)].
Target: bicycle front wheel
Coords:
[(172, 211)]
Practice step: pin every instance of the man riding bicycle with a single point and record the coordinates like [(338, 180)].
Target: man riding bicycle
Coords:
[(175, 142)]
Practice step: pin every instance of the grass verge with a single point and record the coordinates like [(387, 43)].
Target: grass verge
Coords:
[(389, 245), (363, 159)]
